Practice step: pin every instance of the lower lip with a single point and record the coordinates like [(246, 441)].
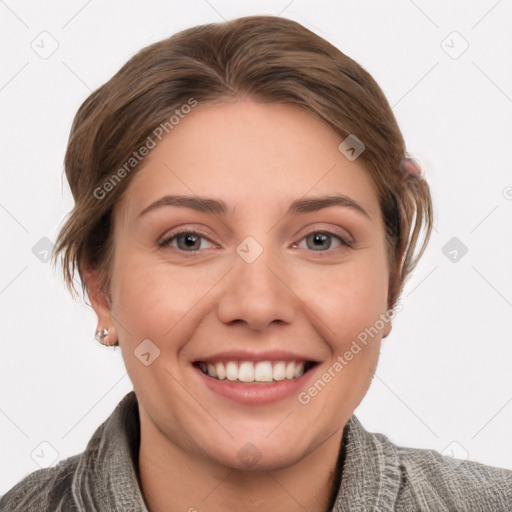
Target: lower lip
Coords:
[(256, 394)]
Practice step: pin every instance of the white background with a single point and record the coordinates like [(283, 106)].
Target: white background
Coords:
[(445, 370)]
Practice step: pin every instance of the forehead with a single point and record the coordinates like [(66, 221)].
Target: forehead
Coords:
[(254, 155)]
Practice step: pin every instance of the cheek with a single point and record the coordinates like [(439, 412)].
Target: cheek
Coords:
[(350, 303), (151, 297), (347, 298)]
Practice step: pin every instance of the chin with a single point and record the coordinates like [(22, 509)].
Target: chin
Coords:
[(243, 455)]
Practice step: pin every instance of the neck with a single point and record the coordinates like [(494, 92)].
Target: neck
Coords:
[(173, 480)]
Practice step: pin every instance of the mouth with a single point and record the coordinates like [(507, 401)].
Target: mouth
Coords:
[(255, 372)]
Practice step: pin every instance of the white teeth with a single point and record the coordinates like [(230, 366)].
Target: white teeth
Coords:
[(248, 371), (279, 371), (232, 370), (221, 371), (263, 371), (290, 370)]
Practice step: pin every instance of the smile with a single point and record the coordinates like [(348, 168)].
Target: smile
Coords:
[(254, 371)]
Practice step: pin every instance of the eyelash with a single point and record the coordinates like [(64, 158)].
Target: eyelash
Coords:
[(167, 241)]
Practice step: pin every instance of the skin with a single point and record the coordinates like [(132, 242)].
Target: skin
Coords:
[(257, 158)]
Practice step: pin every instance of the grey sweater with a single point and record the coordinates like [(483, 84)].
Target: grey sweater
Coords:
[(376, 475)]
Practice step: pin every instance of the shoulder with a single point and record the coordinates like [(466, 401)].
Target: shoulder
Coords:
[(427, 477), (43, 490), (378, 474)]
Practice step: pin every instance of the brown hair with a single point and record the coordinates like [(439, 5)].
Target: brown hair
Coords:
[(269, 59)]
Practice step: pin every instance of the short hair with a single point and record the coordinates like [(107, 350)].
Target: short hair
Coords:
[(267, 59)]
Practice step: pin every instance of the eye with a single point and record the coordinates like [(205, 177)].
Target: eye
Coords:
[(186, 239), (320, 240)]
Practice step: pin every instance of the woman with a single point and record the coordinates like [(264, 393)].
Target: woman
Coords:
[(245, 219)]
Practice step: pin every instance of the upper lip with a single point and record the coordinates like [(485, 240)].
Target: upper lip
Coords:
[(267, 355)]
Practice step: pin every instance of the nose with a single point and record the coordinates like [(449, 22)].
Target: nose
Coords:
[(257, 294)]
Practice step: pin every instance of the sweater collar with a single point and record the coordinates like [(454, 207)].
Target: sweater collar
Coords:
[(107, 476), (371, 471)]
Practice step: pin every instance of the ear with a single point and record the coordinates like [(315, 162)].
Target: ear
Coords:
[(100, 301)]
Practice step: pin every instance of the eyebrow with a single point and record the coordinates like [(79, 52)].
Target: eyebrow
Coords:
[(219, 207)]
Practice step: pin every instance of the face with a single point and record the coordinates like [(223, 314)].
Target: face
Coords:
[(254, 281)]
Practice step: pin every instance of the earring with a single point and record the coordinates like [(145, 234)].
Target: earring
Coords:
[(101, 335)]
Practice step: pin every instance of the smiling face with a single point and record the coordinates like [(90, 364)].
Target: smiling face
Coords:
[(254, 277)]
